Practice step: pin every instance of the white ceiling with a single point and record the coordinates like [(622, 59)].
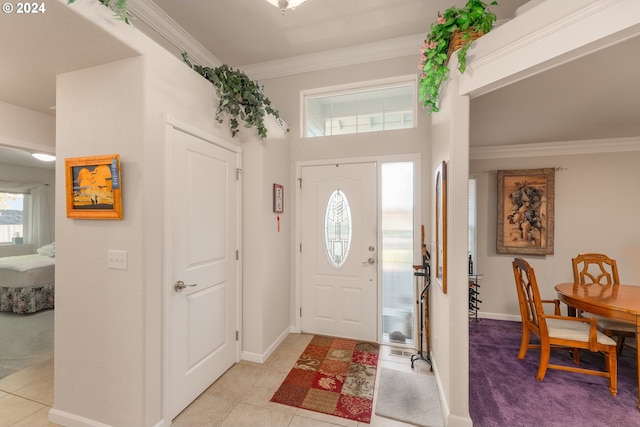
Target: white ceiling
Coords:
[(245, 32), (15, 157), (37, 47), (589, 98), (592, 97)]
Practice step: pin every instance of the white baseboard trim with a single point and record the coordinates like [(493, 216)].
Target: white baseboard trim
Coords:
[(444, 405), (499, 316), (72, 420), (262, 357), (251, 357)]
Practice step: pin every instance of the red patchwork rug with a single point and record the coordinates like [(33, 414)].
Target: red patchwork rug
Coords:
[(334, 376)]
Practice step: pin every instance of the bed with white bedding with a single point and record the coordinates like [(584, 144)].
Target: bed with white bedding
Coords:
[(27, 282)]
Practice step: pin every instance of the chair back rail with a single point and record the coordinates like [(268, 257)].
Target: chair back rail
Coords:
[(557, 331), (594, 269)]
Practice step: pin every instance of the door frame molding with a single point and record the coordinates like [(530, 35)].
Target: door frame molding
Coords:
[(416, 158), (171, 124)]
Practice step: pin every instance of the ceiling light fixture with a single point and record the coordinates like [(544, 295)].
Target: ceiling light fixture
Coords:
[(283, 5), (44, 157)]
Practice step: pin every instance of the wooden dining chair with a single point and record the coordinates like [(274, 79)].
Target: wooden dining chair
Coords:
[(556, 331), (600, 270)]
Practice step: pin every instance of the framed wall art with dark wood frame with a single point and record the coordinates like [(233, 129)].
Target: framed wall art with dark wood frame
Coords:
[(526, 211), (94, 188), (441, 225)]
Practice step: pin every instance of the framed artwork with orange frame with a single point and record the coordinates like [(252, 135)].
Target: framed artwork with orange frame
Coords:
[(94, 187)]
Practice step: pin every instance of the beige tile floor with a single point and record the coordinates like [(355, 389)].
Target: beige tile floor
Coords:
[(27, 396), (240, 398)]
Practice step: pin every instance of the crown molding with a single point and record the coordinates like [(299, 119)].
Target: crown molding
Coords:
[(553, 34), (559, 148), (151, 15), (166, 28)]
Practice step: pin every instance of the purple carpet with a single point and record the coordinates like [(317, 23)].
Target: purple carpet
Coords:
[(503, 391)]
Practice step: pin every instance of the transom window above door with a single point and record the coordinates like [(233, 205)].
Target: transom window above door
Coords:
[(358, 109)]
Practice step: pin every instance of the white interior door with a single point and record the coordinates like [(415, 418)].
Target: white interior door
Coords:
[(204, 276), (339, 285)]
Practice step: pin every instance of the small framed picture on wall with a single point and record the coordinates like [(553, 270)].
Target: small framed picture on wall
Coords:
[(93, 187), (278, 198)]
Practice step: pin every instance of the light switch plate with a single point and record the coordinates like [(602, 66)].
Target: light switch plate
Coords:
[(117, 259)]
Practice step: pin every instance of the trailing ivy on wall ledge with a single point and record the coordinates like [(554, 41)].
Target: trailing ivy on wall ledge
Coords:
[(240, 97), (119, 7)]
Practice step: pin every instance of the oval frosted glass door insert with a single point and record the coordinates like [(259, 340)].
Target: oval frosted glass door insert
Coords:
[(337, 228)]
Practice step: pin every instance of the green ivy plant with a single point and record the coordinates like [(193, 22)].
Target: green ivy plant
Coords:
[(240, 97), (473, 17), (119, 7)]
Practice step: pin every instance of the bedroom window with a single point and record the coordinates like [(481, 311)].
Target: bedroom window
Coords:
[(368, 107), (11, 218)]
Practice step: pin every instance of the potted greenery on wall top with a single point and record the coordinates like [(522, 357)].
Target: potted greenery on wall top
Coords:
[(240, 97), (119, 7), (454, 29)]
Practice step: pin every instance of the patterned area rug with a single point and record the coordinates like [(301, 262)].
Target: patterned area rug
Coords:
[(334, 376)]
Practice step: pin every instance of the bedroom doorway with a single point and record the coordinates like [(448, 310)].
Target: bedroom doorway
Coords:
[(28, 337)]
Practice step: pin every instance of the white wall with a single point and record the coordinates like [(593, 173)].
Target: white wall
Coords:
[(285, 94), (26, 128), (449, 323), (550, 34), (108, 348), (265, 249), (275, 247), (100, 328), (109, 345), (595, 211)]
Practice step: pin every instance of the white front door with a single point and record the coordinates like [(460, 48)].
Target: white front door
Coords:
[(203, 255), (339, 260)]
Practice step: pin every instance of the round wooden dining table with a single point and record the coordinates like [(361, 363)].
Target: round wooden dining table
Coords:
[(620, 302)]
